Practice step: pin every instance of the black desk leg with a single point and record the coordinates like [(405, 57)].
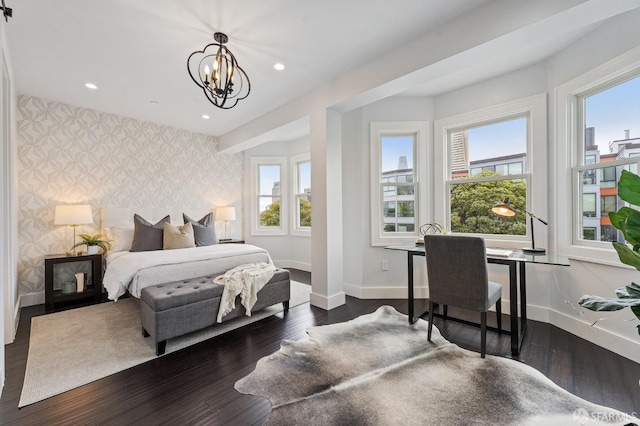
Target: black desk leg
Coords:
[(410, 283), (523, 303), (513, 308)]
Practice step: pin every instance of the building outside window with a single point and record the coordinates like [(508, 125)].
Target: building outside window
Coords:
[(269, 201), (301, 179), (398, 184), (398, 172), (609, 119)]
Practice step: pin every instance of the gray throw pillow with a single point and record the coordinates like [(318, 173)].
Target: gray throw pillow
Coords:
[(204, 230), (148, 236)]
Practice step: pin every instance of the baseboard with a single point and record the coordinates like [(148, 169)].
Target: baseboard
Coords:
[(286, 264), (31, 299), (611, 341), (327, 303)]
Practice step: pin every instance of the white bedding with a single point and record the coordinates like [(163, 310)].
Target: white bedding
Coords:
[(133, 271)]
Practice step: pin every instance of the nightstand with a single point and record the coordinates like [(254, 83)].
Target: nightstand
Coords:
[(60, 286), (230, 241)]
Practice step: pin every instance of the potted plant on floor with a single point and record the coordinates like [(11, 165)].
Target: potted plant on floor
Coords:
[(93, 242), (627, 220)]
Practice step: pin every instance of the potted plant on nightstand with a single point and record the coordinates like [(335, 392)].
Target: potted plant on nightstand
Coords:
[(627, 220), (93, 242)]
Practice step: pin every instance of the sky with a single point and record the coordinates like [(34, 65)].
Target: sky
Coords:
[(612, 112)]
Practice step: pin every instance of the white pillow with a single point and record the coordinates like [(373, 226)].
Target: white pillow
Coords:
[(121, 237)]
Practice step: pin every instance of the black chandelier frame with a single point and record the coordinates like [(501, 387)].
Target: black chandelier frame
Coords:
[(226, 82)]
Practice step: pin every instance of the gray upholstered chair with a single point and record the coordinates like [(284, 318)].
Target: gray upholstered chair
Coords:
[(457, 272)]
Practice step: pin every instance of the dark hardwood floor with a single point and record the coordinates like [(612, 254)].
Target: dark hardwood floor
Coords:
[(195, 385)]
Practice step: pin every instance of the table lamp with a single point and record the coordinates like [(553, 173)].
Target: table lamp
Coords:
[(225, 214), (506, 209), (73, 215)]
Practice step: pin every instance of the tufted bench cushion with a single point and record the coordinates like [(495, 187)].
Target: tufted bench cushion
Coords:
[(166, 296), (176, 308)]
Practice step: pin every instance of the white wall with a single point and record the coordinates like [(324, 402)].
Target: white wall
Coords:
[(362, 263), (9, 309), (553, 292), (287, 251)]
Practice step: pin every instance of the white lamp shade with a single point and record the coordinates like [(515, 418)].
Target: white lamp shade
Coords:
[(73, 215), (226, 213)]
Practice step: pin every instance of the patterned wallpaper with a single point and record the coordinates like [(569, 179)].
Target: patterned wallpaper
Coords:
[(70, 155)]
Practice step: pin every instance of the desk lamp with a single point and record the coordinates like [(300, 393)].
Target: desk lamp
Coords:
[(506, 209)]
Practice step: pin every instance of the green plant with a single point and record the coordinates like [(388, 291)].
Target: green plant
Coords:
[(627, 220), (94, 240)]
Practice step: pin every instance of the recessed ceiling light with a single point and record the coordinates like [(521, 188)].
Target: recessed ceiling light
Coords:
[(279, 66), (90, 86), (205, 116)]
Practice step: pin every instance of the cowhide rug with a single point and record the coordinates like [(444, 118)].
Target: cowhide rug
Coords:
[(379, 370)]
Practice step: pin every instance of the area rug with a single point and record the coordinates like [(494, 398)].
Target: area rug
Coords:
[(379, 370), (72, 348)]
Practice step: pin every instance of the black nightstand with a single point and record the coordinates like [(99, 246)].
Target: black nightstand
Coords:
[(60, 269), (231, 241)]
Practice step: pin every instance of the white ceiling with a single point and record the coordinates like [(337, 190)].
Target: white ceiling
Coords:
[(136, 51)]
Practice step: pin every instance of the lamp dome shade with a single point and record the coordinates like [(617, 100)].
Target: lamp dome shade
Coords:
[(504, 208), (226, 213), (73, 215)]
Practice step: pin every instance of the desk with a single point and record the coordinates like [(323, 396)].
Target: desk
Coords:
[(517, 272)]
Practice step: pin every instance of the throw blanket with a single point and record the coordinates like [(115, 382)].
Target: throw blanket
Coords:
[(246, 281)]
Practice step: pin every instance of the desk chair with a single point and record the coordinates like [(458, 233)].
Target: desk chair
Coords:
[(457, 272)]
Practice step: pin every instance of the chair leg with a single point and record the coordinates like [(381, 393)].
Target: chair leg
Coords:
[(499, 315), (483, 333), (430, 321), (445, 310)]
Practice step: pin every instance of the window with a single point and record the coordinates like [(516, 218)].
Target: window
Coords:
[(594, 110), (488, 155), (607, 204), (269, 196), (589, 205), (608, 177), (471, 198), (301, 179), (607, 116), (589, 233), (398, 171), (609, 233)]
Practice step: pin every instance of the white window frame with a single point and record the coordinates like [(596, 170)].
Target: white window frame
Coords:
[(295, 160), (568, 143), (422, 148), (535, 109), (256, 229)]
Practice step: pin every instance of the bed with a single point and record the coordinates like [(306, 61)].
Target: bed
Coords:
[(131, 271)]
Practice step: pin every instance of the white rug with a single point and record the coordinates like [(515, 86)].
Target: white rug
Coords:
[(72, 348)]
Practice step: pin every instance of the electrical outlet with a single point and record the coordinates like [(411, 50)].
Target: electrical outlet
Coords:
[(385, 265)]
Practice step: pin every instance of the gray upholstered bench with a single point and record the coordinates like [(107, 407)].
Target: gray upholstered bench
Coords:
[(173, 309)]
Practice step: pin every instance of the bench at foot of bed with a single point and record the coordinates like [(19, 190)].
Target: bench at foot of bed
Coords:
[(173, 309)]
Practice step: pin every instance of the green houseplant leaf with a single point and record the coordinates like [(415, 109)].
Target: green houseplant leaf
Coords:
[(629, 187), (94, 240), (627, 220)]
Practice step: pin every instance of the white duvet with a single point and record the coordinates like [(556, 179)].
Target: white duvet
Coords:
[(133, 271)]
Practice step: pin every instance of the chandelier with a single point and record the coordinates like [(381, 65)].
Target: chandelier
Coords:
[(216, 71)]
